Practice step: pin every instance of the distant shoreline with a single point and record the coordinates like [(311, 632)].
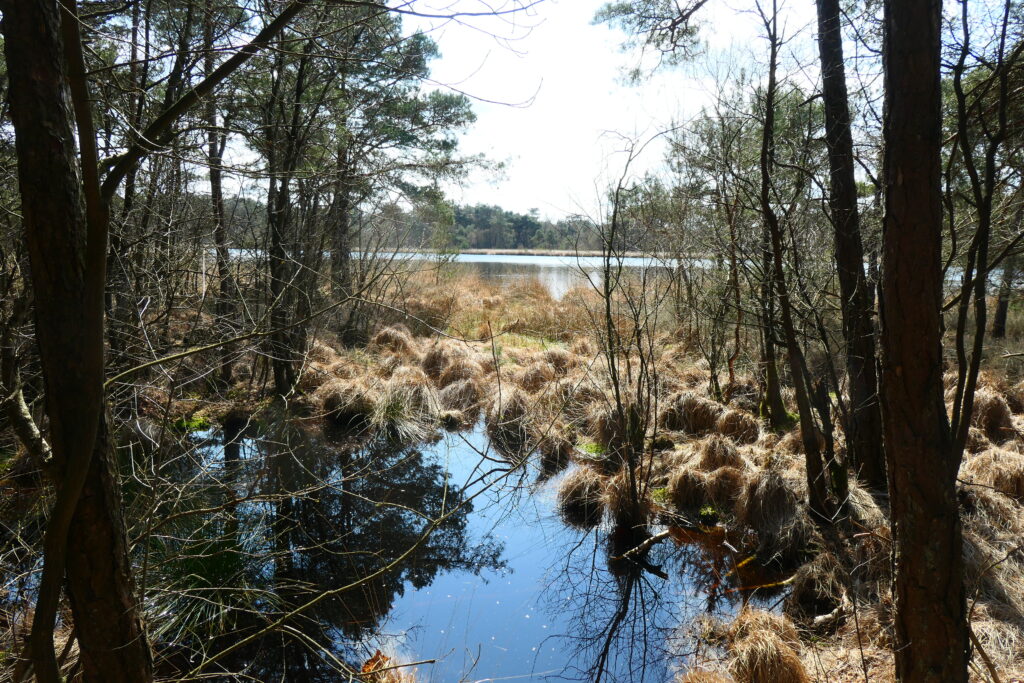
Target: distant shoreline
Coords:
[(539, 252)]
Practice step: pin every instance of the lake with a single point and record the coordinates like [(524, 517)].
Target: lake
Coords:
[(558, 273)]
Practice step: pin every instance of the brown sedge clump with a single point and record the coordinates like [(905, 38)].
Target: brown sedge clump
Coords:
[(556, 451), (688, 489), (764, 647), (762, 657), (625, 496), (575, 395), (771, 505), (817, 588), (408, 411), (396, 339), (580, 498), (739, 425), (724, 486), (458, 369), (348, 405), (463, 395), (718, 451), (439, 356), (992, 416), (702, 676), (409, 374), (536, 376), (691, 414), (997, 468), (751, 620), (560, 360), (321, 352), (507, 423)]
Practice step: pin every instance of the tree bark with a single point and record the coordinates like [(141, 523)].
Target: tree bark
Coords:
[(66, 233), (99, 578), (864, 428), (1003, 302), (931, 642)]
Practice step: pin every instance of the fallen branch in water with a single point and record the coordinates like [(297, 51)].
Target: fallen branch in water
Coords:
[(643, 547)]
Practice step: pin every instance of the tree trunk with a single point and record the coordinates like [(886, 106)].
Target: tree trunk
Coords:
[(931, 642), (817, 486), (1003, 302), (864, 428), (215, 143), (66, 232), (772, 404), (100, 590), (340, 222)]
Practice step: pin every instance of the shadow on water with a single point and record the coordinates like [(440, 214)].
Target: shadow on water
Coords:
[(501, 590), (301, 516)]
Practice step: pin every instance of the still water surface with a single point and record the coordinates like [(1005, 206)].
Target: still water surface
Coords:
[(558, 273), (505, 592)]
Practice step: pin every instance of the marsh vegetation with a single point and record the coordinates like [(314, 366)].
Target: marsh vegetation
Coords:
[(763, 429)]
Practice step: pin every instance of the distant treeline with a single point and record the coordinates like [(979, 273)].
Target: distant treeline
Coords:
[(491, 227), (452, 228)]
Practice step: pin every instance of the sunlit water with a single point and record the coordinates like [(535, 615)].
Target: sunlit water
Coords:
[(546, 607), (558, 274)]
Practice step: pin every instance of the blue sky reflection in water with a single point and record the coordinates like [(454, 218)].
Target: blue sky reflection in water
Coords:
[(556, 607), (547, 609)]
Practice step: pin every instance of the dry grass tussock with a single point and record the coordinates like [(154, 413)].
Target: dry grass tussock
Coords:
[(441, 355), (688, 489), (762, 655), (407, 411), (718, 451), (396, 339), (744, 392), (750, 621), (508, 423), (864, 508), (626, 495), (997, 468), (689, 413), (694, 376), (561, 360), (347, 404), (322, 353), (739, 425), (817, 589), (976, 441), (772, 505), (992, 416), (581, 498), (711, 472), (459, 369), (793, 442), (536, 376), (575, 394), (724, 486), (605, 425), (556, 451), (702, 676), (464, 395)]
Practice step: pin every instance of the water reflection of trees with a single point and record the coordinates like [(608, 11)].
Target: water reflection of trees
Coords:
[(290, 516), (629, 623)]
